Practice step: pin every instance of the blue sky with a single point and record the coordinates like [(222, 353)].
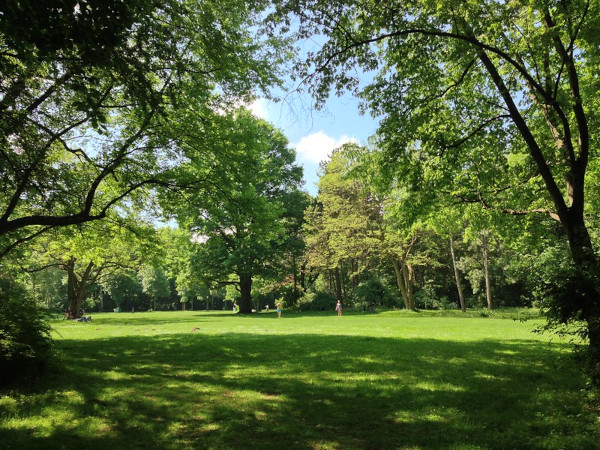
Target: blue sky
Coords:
[(314, 134)]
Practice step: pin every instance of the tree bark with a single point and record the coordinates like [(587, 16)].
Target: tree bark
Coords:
[(461, 297), (486, 269), (76, 288), (246, 293), (338, 284), (586, 264), (405, 281)]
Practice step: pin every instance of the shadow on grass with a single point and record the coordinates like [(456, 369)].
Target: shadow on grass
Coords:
[(306, 391), (161, 318)]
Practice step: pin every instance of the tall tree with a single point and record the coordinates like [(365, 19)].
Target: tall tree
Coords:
[(352, 227), (154, 283), (447, 222), (493, 102), (239, 225)]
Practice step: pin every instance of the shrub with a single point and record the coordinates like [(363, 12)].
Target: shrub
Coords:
[(318, 301), (25, 343), (427, 298), (373, 291)]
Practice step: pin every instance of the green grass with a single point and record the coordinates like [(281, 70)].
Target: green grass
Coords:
[(387, 380)]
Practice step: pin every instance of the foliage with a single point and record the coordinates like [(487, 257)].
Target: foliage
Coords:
[(88, 92), (240, 227), (317, 301), (48, 288), (373, 291), (25, 341), (428, 298), (125, 289), (154, 283)]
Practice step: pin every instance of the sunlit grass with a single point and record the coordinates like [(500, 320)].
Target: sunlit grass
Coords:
[(388, 380)]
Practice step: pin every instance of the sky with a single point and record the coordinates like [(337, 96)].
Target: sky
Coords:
[(314, 134)]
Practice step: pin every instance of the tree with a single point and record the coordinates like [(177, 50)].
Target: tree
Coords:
[(239, 226), (353, 227), (87, 90), (448, 223), (292, 262), (154, 283), (96, 250), (490, 102), (124, 288), (337, 226)]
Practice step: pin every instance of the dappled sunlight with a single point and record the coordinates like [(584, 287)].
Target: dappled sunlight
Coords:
[(213, 389), (65, 407), (245, 387)]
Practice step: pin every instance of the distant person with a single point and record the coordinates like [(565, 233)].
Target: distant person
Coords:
[(267, 308), (132, 309), (279, 309), (234, 307), (338, 308)]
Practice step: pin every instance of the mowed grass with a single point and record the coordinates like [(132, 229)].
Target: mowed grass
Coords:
[(182, 380)]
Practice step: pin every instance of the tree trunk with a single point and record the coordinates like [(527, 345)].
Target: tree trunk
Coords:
[(587, 268), (303, 278), (295, 271), (338, 284), (343, 280), (409, 278), (461, 297), (76, 288), (486, 269), (405, 282), (246, 293)]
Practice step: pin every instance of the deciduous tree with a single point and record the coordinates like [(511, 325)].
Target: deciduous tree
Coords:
[(87, 88), (491, 102), (239, 223)]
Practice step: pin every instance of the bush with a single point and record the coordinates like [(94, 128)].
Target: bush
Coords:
[(373, 291), (318, 301), (427, 297), (25, 343)]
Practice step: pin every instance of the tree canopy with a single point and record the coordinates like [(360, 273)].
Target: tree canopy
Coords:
[(241, 224), (87, 90), (487, 102)]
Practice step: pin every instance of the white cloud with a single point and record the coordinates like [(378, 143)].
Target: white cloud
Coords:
[(317, 147), (259, 108), (199, 238)]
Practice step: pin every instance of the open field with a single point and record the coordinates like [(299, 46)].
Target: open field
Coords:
[(192, 379)]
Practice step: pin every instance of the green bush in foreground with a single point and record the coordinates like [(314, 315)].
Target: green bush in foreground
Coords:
[(25, 341)]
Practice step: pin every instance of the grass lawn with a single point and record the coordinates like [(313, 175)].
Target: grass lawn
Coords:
[(178, 380)]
